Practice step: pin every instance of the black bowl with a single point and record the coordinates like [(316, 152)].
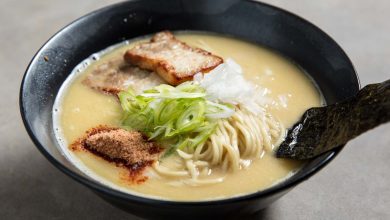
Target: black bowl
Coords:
[(266, 25)]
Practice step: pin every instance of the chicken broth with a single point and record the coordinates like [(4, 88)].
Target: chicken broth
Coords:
[(290, 90)]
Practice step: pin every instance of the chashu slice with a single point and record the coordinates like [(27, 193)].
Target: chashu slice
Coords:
[(116, 75), (173, 60)]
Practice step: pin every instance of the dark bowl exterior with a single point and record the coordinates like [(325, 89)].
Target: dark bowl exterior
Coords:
[(259, 23), (233, 210)]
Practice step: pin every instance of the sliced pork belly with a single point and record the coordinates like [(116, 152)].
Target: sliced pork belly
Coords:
[(116, 75), (173, 60)]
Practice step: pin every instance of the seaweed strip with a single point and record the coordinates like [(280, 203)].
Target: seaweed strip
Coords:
[(324, 128)]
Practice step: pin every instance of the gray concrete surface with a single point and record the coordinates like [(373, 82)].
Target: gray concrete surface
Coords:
[(356, 185)]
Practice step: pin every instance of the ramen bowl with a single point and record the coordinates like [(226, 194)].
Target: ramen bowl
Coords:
[(283, 32)]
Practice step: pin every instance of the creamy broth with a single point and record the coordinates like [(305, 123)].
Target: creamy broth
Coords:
[(81, 108)]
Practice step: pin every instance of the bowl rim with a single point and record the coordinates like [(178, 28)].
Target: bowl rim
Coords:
[(101, 188)]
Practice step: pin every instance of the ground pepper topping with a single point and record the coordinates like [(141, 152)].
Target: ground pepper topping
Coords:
[(129, 149)]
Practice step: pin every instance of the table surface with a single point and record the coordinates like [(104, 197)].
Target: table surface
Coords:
[(356, 185)]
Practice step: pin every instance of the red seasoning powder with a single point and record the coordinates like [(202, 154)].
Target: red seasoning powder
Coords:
[(124, 148)]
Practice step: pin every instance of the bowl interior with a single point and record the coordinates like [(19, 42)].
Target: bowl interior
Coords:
[(279, 30)]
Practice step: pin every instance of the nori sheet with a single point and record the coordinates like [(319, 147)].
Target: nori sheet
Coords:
[(324, 128)]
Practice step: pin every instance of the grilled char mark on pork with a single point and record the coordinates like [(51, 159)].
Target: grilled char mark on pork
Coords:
[(116, 75), (173, 60)]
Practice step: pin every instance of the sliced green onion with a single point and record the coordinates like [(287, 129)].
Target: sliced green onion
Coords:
[(216, 110), (180, 117)]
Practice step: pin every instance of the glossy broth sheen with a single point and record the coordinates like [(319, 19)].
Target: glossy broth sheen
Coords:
[(83, 108)]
